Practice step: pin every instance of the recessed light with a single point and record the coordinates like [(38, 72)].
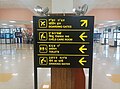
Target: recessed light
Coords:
[(101, 24), (4, 24), (38, 9), (106, 26), (12, 21), (11, 25), (31, 21), (114, 24), (111, 21)]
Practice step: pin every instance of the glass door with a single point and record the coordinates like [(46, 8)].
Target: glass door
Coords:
[(118, 38), (7, 35), (2, 36), (105, 36)]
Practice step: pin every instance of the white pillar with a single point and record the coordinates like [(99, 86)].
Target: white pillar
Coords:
[(62, 6)]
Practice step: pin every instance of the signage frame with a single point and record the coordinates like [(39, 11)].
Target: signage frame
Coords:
[(86, 22)]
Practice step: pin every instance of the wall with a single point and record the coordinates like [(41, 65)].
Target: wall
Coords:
[(62, 6), (20, 14), (105, 14)]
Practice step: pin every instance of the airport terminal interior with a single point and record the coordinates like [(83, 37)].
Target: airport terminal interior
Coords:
[(17, 42)]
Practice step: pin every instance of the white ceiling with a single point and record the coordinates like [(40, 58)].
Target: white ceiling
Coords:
[(30, 4), (48, 3), (11, 4)]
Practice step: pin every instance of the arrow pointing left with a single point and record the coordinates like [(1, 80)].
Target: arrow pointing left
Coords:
[(82, 48), (82, 61), (82, 36)]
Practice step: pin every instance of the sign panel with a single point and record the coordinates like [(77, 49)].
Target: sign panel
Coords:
[(18, 34), (63, 41)]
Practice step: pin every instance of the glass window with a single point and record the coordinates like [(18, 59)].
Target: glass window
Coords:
[(118, 35)]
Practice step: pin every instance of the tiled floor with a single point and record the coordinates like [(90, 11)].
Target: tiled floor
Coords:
[(106, 67), (16, 64), (16, 67)]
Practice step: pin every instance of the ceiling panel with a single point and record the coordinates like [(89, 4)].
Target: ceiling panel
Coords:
[(11, 4), (98, 3), (30, 4), (95, 3), (48, 3)]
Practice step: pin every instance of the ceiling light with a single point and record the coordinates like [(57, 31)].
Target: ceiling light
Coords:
[(41, 11), (11, 25), (38, 9), (108, 75), (4, 24), (110, 21), (101, 24), (114, 24), (45, 11), (106, 26), (5, 27), (31, 21), (81, 11), (12, 21)]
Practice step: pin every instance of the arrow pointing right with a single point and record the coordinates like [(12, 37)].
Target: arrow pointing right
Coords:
[(81, 61), (82, 36), (84, 23)]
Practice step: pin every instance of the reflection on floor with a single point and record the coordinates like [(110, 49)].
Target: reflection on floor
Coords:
[(16, 67), (5, 77), (106, 73), (44, 78), (115, 78), (16, 63)]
